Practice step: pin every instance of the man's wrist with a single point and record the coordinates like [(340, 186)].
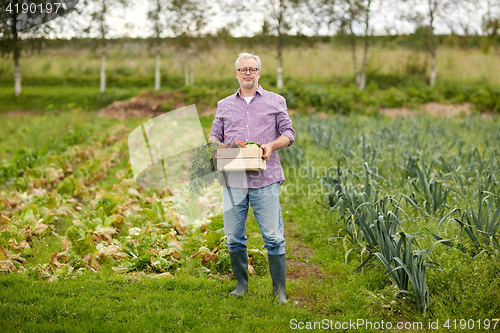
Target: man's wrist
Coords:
[(279, 143)]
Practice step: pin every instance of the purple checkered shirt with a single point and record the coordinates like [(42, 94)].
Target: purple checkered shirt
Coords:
[(263, 120)]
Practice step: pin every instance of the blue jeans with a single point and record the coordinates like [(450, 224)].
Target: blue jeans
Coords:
[(266, 207)]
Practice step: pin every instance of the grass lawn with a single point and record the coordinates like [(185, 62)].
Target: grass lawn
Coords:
[(42, 99), (108, 303)]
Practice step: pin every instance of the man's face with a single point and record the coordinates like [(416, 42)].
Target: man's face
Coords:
[(248, 80)]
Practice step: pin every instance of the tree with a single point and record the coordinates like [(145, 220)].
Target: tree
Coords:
[(187, 20), (435, 11), (352, 19), (281, 15), (357, 12), (491, 24), (155, 15), (22, 23), (99, 14)]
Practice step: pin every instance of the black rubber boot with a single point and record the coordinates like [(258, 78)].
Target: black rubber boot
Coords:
[(239, 264), (277, 266)]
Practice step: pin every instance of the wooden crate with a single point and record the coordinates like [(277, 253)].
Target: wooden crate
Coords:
[(241, 164), (236, 159)]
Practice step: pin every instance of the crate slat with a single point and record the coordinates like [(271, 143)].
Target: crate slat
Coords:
[(241, 164), (238, 153)]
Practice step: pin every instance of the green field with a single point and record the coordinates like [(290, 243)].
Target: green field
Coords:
[(324, 62), (392, 220), (85, 249)]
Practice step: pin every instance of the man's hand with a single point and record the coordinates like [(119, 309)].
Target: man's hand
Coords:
[(279, 143), (267, 150), (221, 145)]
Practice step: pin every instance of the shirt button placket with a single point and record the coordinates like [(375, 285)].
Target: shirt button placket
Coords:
[(248, 121)]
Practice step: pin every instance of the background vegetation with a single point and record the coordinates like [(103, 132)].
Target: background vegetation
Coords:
[(64, 78)]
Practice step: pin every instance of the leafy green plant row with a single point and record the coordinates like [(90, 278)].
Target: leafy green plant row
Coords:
[(49, 142), (344, 100), (386, 177), (120, 226)]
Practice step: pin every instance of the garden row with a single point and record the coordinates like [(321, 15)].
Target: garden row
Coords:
[(80, 200), (403, 190)]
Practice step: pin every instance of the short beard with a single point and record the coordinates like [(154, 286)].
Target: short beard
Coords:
[(246, 84)]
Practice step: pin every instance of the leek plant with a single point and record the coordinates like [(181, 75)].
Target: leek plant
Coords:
[(379, 224), (477, 224), (291, 155), (414, 264), (407, 266), (323, 136), (431, 193), (361, 209)]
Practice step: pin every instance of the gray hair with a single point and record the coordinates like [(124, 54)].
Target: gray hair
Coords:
[(247, 55)]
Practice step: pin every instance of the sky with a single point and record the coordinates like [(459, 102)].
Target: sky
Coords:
[(132, 22)]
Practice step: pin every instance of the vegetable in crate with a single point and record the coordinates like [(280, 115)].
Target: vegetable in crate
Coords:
[(203, 168)]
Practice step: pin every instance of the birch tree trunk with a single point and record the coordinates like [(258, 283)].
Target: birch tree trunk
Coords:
[(279, 82), (432, 50), (192, 71), (157, 71), (17, 71), (192, 52), (432, 81), (279, 74), (103, 72), (355, 60), (432, 43), (362, 83)]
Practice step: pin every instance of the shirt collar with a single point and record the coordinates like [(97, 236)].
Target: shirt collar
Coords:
[(259, 90)]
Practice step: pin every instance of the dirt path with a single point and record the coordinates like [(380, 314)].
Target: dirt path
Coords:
[(301, 268), (18, 113), (149, 105), (433, 109), (299, 255)]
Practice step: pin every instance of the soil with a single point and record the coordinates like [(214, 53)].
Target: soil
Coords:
[(432, 109), (150, 105), (299, 266), (18, 113), (299, 255), (145, 105)]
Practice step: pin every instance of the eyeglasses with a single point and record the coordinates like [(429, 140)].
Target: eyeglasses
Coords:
[(245, 70)]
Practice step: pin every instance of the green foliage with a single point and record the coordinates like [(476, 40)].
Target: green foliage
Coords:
[(106, 205), (430, 192), (368, 205), (82, 238), (459, 288), (203, 169)]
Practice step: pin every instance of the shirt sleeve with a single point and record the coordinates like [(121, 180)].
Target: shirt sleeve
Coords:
[(218, 125), (283, 121)]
